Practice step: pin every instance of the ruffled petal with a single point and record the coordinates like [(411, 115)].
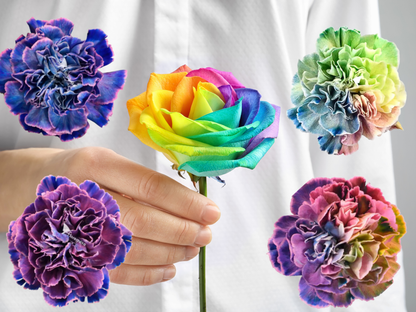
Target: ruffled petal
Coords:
[(14, 98), (308, 294), (5, 69), (98, 38)]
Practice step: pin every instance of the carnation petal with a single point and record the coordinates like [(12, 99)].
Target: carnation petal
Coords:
[(331, 144), (33, 24), (98, 38), (38, 117), (390, 53), (273, 255), (298, 250), (310, 121), (68, 191), (297, 96), (109, 86), (74, 135), (30, 55), (99, 113), (308, 70), (64, 24), (18, 65), (362, 266), (111, 232), (5, 69), (103, 291), (27, 127), (368, 292), (51, 32), (68, 121), (308, 294), (337, 300), (311, 272), (331, 38), (94, 191), (302, 195), (37, 225), (58, 291), (292, 114), (337, 124), (60, 302), (286, 222), (119, 257), (91, 280), (51, 183), (14, 98), (52, 277), (104, 254), (27, 270)]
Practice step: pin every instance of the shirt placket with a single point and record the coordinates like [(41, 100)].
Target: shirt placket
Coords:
[(170, 52)]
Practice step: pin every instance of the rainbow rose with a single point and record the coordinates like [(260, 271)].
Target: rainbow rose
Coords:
[(343, 239), (348, 89), (204, 121)]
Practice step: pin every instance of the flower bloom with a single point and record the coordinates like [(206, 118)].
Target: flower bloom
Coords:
[(204, 121), (52, 80), (343, 239), (348, 89), (67, 240)]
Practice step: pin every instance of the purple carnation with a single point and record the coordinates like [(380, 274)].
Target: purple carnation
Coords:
[(343, 239), (52, 80), (67, 240)]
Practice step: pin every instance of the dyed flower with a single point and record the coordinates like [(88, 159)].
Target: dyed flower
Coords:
[(343, 239), (67, 240), (348, 89), (53, 82), (204, 121)]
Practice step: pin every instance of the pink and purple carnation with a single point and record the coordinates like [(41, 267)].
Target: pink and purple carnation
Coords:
[(53, 82), (66, 241), (342, 238)]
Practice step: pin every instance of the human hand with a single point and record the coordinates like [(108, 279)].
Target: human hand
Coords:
[(168, 221)]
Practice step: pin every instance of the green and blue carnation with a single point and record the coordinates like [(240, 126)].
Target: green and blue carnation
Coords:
[(349, 88)]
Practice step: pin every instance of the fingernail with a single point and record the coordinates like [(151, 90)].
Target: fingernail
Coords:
[(169, 273), (204, 237), (211, 214), (191, 252)]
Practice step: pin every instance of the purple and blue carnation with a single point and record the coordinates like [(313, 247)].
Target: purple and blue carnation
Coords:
[(342, 238), (53, 82), (66, 241)]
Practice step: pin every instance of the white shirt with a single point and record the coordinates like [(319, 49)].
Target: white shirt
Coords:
[(260, 42)]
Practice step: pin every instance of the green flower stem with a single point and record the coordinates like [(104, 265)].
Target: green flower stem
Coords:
[(202, 282)]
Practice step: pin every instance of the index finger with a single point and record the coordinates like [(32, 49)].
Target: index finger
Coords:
[(124, 176)]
